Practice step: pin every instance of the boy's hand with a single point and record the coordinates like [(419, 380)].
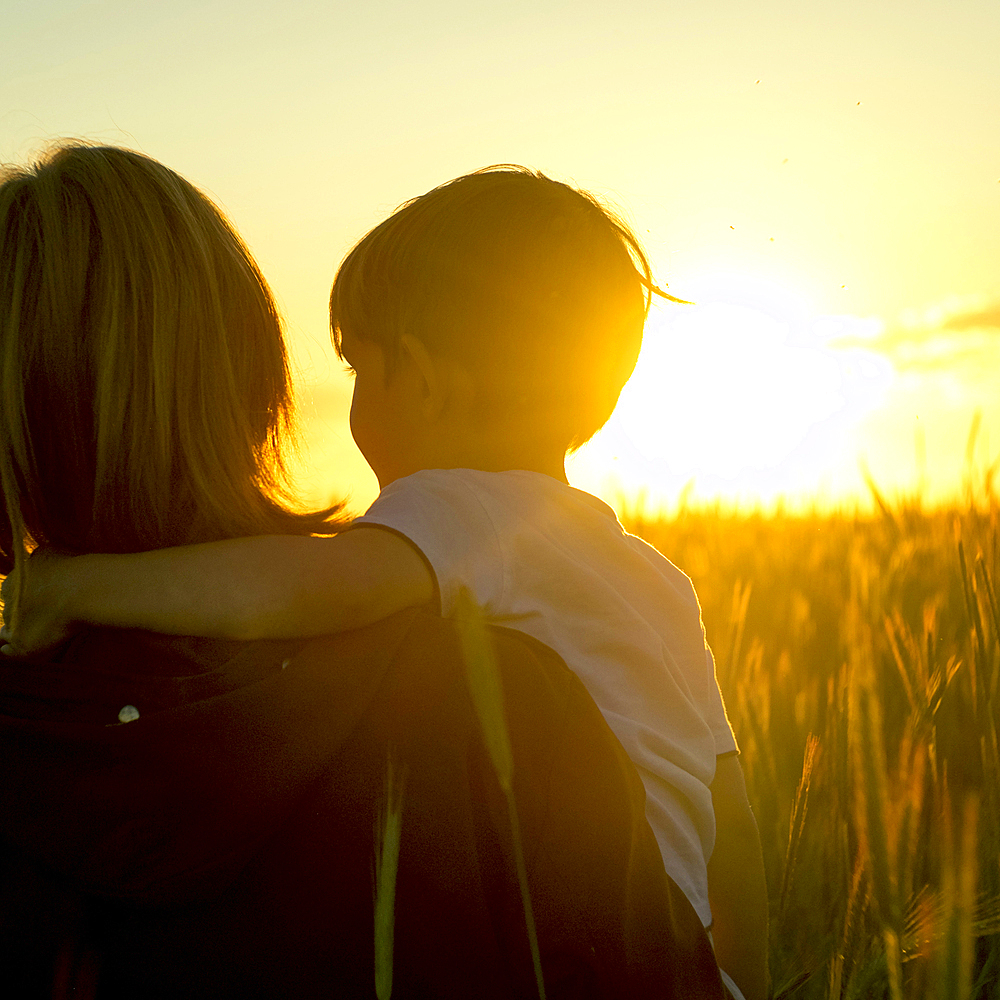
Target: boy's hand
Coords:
[(39, 622)]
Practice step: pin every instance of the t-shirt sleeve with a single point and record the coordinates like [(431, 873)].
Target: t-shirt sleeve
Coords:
[(444, 518), (718, 721)]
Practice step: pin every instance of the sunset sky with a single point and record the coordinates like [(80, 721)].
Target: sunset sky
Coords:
[(823, 180)]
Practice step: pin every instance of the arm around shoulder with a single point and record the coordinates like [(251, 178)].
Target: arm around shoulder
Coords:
[(289, 587), (266, 587)]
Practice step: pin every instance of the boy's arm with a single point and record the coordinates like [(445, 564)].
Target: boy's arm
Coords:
[(267, 587), (737, 891)]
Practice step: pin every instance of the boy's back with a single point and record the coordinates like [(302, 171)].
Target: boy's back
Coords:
[(554, 562)]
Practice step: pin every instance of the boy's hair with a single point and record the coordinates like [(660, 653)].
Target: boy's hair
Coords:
[(536, 288), (145, 387)]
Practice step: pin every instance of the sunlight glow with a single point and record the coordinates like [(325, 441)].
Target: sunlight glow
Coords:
[(747, 392)]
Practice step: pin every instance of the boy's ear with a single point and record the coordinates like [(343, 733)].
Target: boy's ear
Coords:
[(440, 383), (423, 367)]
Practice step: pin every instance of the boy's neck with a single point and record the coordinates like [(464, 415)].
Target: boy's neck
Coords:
[(556, 469), (495, 457)]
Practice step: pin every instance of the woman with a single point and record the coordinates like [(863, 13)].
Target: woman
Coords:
[(186, 817)]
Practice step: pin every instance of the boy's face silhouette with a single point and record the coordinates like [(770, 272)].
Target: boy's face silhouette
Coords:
[(399, 421), (421, 417), (381, 421)]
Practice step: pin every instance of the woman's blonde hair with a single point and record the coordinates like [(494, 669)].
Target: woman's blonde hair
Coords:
[(144, 385)]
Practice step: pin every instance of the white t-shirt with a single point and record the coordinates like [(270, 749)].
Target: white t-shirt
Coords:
[(554, 562)]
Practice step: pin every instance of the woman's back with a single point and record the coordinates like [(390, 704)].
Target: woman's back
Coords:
[(221, 844)]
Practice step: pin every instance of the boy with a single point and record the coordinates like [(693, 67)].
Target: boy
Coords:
[(491, 325)]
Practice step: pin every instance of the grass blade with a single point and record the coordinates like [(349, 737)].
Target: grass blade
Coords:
[(487, 698), (388, 833)]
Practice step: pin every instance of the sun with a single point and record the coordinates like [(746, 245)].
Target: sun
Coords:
[(739, 392), (728, 383)]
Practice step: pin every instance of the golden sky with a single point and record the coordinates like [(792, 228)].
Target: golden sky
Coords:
[(822, 179)]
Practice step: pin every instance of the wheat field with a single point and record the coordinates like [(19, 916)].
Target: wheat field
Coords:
[(859, 656)]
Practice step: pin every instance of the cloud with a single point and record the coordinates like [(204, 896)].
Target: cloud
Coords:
[(982, 319), (956, 314), (952, 334)]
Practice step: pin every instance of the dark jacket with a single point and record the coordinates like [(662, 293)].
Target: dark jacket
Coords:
[(221, 844)]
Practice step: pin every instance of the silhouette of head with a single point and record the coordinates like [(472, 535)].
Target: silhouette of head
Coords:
[(142, 364), (536, 288)]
